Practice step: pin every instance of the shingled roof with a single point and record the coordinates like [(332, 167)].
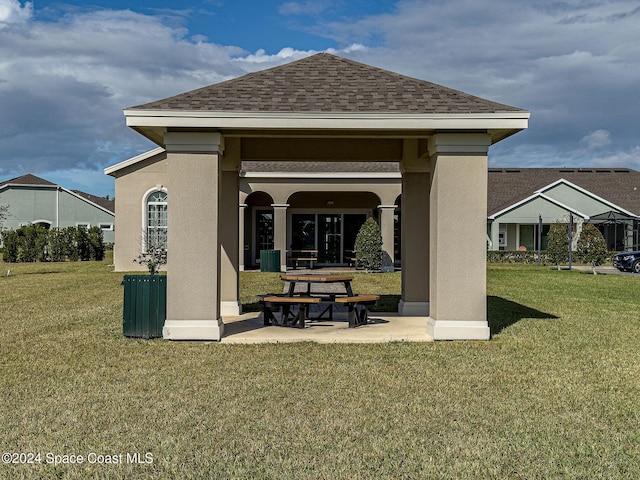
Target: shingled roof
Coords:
[(107, 204), (330, 168), (28, 179), (327, 83), (508, 186)]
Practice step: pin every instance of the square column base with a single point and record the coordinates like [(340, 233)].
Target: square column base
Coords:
[(458, 329), (193, 329), (413, 309), (230, 309)]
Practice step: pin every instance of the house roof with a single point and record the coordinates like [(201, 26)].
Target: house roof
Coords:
[(107, 204), (28, 179), (327, 83), (508, 186)]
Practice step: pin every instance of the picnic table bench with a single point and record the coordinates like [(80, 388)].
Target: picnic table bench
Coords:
[(295, 256), (357, 308), (289, 318)]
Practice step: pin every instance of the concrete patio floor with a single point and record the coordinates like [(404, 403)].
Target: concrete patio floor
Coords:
[(386, 327)]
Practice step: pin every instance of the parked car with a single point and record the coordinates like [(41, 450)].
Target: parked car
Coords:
[(627, 262)]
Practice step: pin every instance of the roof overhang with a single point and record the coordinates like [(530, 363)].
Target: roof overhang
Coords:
[(110, 170), (153, 124)]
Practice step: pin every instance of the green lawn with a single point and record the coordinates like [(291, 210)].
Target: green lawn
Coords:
[(554, 394)]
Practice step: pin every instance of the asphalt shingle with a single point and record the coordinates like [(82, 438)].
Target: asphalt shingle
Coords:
[(327, 83)]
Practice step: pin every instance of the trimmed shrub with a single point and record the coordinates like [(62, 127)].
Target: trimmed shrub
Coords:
[(558, 243), (10, 246), (31, 243), (96, 243), (592, 247), (521, 257), (369, 246), (56, 246), (71, 242)]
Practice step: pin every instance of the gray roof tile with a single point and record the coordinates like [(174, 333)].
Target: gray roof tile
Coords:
[(28, 179), (511, 185), (327, 83)]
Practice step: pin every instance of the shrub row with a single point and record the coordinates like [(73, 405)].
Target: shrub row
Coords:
[(531, 257), (32, 243)]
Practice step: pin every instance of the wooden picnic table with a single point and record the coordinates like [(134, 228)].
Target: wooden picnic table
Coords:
[(310, 279), (357, 304)]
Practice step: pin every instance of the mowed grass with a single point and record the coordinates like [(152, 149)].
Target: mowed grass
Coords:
[(554, 394)]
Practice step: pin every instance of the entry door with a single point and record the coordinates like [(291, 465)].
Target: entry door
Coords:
[(264, 232), (329, 238)]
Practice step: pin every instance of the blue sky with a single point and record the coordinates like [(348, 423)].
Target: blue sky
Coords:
[(69, 68)]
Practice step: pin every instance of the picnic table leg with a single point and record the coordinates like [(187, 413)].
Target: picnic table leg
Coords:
[(292, 288), (268, 316), (347, 287)]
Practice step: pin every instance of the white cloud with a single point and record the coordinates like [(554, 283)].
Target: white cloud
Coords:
[(309, 7), (574, 64), (63, 85), (11, 11), (597, 139)]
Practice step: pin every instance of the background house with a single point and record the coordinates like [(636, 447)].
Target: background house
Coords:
[(519, 198), (34, 200)]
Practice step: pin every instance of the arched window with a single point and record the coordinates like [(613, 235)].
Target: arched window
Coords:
[(156, 235)]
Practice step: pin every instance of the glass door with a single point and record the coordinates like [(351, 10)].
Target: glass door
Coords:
[(352, 224), (264, 231), (303, 231), (329, 238)]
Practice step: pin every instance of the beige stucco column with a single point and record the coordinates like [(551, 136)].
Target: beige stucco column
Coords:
[(193, 283), (415, 232), (386, 229), (458, 300), (241, 211), (228, 221), (280, 232)]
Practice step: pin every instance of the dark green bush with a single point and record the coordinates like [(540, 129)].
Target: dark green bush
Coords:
[(558, 243), (592, 247), (10, 246), (96, 243), (31, 243), (369, 246)]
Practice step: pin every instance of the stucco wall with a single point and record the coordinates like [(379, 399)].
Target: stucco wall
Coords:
[(133, 185)]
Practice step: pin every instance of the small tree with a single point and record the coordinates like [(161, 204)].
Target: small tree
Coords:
[(558, 243), (592, 247), (369, 246), (155, 254)]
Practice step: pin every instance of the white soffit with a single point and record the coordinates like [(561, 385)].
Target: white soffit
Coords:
[(321, 120)]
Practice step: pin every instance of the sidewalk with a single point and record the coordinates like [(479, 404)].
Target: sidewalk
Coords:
[(386, 327)]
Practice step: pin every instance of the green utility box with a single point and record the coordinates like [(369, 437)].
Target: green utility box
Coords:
[(269, 260), (145, 305)]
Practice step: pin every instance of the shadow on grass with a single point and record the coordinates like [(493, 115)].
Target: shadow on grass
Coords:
[(502, 313)]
